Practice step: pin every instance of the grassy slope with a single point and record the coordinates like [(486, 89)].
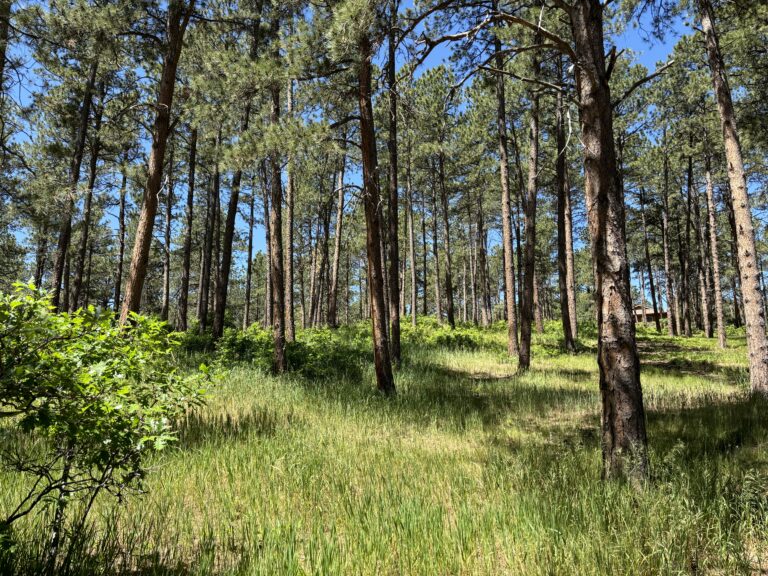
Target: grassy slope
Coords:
[(470, 470)]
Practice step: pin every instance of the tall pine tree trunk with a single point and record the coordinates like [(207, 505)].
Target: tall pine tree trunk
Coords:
[(88, 207), (65, 231), (371, 199), (120, 235), (167, 242), (179, 13), (623, 438), (249, 262), (649, 266), (562, 224), (394, 250), (187, 251), (333, 320), (450, 310), (411, 239), (672, 319), (513, 348), (529, 252), (276, 241), (711, 215), (757, 341), (290, 318)]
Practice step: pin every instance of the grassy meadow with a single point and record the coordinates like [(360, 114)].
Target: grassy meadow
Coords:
[(470, 469)]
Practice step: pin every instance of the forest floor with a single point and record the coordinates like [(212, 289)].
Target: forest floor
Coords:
[(469, 470)]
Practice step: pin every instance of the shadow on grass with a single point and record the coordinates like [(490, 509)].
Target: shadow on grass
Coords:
[(681, 367), (711, 429), (198, 429)]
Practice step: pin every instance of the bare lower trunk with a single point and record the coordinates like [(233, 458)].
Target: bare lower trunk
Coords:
[(120, 238), (513, 348), (623, 438), (529, 252), (206, 264), (87, 208), (65, 232), (167, 243), (754, 312), (290, 318), (411, 239), (334, 287), (276, 243), (189, 215), (179, 14), (672, 325), (249, 262), (711, 215), (436, 254), (564, 239), (371, 198), (447, 244), (393, 221), (649, 266)]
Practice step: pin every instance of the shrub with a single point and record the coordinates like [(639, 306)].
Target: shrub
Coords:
[(83, 402)]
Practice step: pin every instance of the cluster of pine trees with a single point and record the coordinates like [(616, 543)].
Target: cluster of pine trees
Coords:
[(148, 148)]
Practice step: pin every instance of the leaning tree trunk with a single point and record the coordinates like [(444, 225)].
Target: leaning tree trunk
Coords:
[(513, 348), (179, 14), (65, 232), (715, 256), (570, 264), (757, 341), (393, 221), (623, 438), (371, 198), (187, 252), (562, 239)]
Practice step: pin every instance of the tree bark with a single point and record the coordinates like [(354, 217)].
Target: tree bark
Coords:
[(450, 310), (623, 439), (371, 198), (513, 348), (120, 235), (290, 318), (411, 239), (649, 266), (179, 13), (436, 254), (225, 267), (334, 287), (207, 261), (672, 325), (757, 341), (393, 221), (189, 216), (529, 251), (167, 242), (711, 215), (65, 232), (563, 222), (249, 263), (276, 241)]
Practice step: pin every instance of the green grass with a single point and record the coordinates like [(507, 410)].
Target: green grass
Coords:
[(469, 470)]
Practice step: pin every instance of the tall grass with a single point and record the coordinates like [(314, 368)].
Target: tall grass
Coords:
[(470, 469)]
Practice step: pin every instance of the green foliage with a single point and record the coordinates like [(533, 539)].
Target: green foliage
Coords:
[(83, 401)]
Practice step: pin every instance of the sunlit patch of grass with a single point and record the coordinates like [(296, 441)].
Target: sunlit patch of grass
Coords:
[(470, 469)]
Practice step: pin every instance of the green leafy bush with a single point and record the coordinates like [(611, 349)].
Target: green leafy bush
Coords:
[(83, 402)]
